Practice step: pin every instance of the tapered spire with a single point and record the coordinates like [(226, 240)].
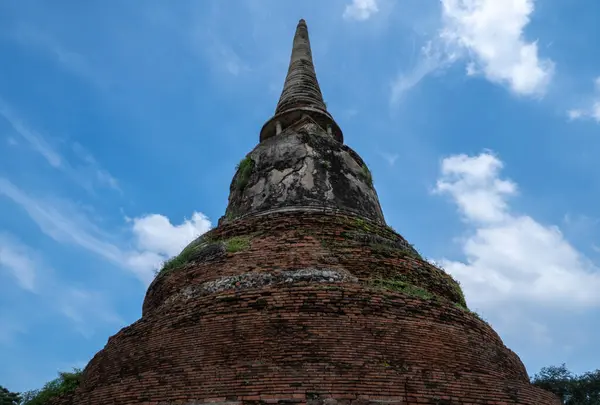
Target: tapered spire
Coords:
[(301, 88), (301, 93)]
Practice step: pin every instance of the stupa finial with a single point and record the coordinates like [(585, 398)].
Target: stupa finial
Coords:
[(301, 93)]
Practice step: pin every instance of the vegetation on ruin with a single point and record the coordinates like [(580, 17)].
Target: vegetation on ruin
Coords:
[(244, 169), (181, 259), (65, 383), (366, 175), (187, 255), (364, 225), (399, 285), (237, 244)]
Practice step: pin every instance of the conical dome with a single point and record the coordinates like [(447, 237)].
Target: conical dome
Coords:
[(303, 295)]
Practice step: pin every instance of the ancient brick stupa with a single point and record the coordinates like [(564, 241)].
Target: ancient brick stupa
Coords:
[(303, 294)]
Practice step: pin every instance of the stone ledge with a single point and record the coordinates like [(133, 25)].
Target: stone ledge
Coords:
[(257, 280)]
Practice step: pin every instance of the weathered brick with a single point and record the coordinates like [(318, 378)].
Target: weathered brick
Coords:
[(308, 306)]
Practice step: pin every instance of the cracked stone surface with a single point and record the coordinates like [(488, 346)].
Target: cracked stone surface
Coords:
[(304, 167)]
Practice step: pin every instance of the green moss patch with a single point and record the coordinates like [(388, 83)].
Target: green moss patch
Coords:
[(399, 285), (237, 244), (366, 175), (244, 170)]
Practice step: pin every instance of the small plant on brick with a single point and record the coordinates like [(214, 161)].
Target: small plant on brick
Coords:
[(182, 258), (244, 169), (363, 224), (454, 284), (237, 244), (365, 173)]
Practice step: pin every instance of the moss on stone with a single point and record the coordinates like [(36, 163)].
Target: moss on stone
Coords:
[(237, 244), (364, 225), (244, 170), (366, 175)]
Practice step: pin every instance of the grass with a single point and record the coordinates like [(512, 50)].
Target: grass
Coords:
[(233, 245), (244, 169), (180, 260), (398, 285), (237, 244)]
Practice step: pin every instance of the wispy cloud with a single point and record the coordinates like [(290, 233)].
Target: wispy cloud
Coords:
[(489, 35), (390, 157), (34, 139), (434, 56), (71, 61), (85, 171), (19, 260), (219, 53), (360, 10), (80, 306), (10, 328), (152, 238), (85, 309), (592, 108)]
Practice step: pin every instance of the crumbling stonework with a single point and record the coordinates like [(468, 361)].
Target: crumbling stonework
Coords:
[(303, 295), (304, 167)]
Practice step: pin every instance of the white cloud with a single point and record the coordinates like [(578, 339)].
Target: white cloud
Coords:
[(510, 258), (154, 237), (155, 233), (492, 32), (490, 35), (19, 260), (475, 186), (360, 9), (592, 111)]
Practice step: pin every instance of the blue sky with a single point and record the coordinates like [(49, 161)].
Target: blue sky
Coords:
[(120, 128)]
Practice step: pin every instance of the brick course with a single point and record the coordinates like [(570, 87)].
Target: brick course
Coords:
[(295, 240), (305, 342)]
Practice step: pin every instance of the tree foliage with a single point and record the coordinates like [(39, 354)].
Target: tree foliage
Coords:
[(65, 383), (572, 389), (9, 398)]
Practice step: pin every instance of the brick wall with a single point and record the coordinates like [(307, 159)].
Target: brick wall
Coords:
[(308, 343), (282, 241), (317, 333)]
